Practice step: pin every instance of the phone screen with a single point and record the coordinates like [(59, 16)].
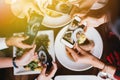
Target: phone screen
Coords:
[(32, 29)]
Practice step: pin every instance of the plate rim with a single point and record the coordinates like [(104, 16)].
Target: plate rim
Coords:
[(58, 26)]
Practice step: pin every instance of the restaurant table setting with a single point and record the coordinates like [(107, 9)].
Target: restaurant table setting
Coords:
[(51, 31)]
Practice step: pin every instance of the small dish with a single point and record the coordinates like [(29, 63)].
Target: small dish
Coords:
[(77, 77)]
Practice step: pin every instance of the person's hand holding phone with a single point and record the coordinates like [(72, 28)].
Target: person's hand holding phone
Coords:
[(45, 76), (79, 55), (17, 41), (27, 57)]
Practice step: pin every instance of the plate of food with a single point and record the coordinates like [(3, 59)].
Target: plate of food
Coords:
[(57, 14), (44, 50), (88, 39)]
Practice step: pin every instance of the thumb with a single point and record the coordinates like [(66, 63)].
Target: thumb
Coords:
[(33, 49), (22, 38), (43, 72), (73, 54), (78, 48)]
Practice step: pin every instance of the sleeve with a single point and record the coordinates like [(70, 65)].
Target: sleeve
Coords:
[(117, 74), (3, 44)]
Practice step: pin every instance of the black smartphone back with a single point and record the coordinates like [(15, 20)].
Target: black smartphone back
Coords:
[(45, 57)]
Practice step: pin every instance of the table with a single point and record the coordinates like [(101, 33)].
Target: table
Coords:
[(7, 74)]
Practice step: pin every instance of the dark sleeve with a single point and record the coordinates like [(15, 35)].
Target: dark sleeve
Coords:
[(117, 74)]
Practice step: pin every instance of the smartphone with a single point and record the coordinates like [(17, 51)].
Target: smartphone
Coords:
[(45, 57), (67, 39), (74, 23), (32, 30)]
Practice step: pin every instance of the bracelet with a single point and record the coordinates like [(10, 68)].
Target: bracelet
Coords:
[(14, 63), (105, 68)]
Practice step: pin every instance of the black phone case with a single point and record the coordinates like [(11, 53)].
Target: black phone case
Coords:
[(49, 60)]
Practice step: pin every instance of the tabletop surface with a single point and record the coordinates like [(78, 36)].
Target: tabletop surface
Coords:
[(16, 25), (7, 74)]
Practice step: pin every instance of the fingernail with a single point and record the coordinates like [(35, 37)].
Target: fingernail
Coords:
[(45, 65), (53, 62)]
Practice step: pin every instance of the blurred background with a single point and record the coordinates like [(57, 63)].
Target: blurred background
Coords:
[(8, 22)]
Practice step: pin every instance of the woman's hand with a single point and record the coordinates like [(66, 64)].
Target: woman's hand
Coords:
[(45, 76), (80, 56), (17, 41), (27, 57), (93, 22)]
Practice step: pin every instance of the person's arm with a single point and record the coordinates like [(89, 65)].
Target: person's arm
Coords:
[(7, 62), (22, 61), (102, 66), (81, 7), (47, 76), (88, 58)]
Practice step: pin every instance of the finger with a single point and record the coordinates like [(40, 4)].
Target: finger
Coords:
[(81, 23), (73, 54), (35, 53), (34, 47), (43, 72), (35, 57), (54, 69), (32, 51), (78, 48), (24, 46), (23, 37)]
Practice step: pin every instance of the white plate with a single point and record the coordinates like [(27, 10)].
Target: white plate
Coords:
[(77, 77), (52, 22), (62, 57), (21, 70)]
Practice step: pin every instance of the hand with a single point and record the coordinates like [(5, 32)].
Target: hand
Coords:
[(44, 76), (85, 57), (91, 21), (17, 41), (94, 22), (80, 56), (27, 57), (82, 7)]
